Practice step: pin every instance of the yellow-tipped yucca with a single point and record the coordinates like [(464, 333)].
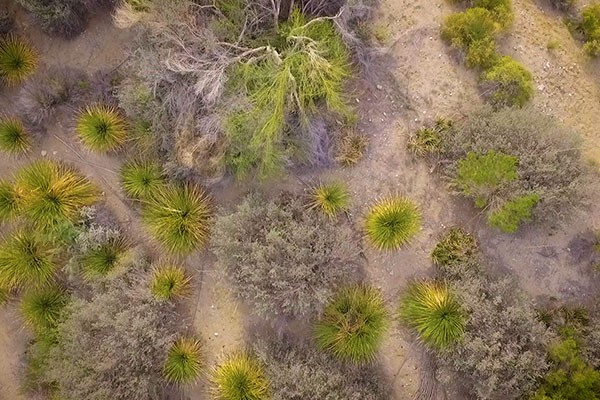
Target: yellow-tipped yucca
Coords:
[(17, 60), (168, 282), (239, 377), (392, 222), (101, 128), (331, 199), (14, 139), (183, 363)]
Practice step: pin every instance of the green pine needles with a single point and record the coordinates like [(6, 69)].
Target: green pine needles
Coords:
[(240, 377), (330, 198), (183, 364), (178, 217), (104, 258), (141, 178), (13, 137), (26, 262), (41, 309), (432, 311), (353, 324), (51, 194), (169, 282), (17, 60), (101, 128), (392, 222)]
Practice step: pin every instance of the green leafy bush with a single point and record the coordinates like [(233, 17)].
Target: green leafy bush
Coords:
[(331, 198), (454, 248), (353, 324), (513, 213), (240, 377), (17, 60), (570, 377), (26, 262), (14, 139), (178, 217), (182, 365), (286, 260), (432, 311), (392, 222), (501, 10), (590, 28), (479, 175), (508, 83), (549, 158), (41, 309)]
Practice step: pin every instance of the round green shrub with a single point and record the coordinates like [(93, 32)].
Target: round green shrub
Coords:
[(392, 222), (353, 324), (508, 82)]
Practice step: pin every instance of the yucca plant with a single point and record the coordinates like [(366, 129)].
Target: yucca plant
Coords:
[(178, 217), (41, 309), (26, 262), (353, 324), (4, 295), (52, 194), (9, 201), (13, 136), (183, 364), (432, 311), (330, 198), (101, 128), (17, 60), (392, 222), (141, 179), (104, 258), (168, 282), (240, 377)]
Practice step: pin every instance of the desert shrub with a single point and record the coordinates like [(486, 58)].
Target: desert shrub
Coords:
[(455, 247), (17, 60), (6, 22), (178, 217), (101, 128), (570, 377), (284, 259), (549, 158), (331, 199), (392, 222), (351, 148), (299, 371), (428, 141), (9, 202), (141, 178), (14, 138), (480, 175), (110, 343), (41, 309), (562, 5), (508, 83), (501, 357), (26, 261), (433, 312), (240, 377), (353, 324), (182, 365), (511, 214), (51, 90), (590, 29), (501, 10), (52, 194), (104, 258), (168, 282)]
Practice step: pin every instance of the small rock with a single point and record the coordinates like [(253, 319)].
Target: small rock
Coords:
[(357, 100), (379, 87), (43, 153), (55, 152), (216, 333)]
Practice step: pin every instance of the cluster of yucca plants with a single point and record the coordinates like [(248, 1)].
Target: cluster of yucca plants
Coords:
[(41, 309), (169, 282), (101, 128), (353, 324), (51, 194), (178, 217), (141, 178), (392, 222), (104, 258), (331, 199), (17, 60), (14, 139), (183, 363), (240, 377), (433, 312), (26, 261)]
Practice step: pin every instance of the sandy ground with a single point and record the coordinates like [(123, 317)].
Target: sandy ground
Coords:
[(427, 82)]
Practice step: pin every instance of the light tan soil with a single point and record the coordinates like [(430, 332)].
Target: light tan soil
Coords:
[(428, 83)]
